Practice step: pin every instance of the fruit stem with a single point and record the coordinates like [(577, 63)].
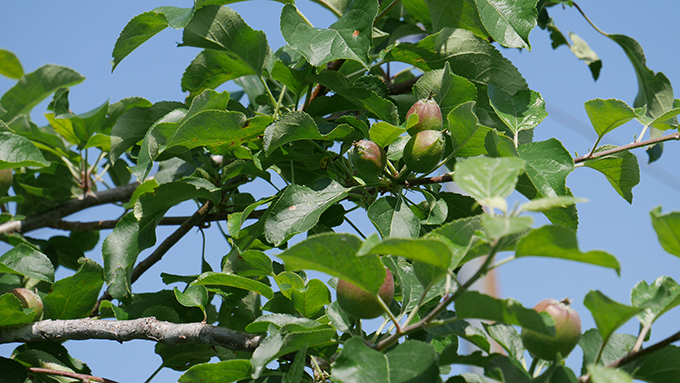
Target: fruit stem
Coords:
[(387, 310), (532, 368)]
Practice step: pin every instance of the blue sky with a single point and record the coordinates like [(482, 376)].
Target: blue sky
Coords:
[(82, 34)]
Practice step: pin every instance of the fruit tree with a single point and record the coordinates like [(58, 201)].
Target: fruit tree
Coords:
[(405, 115)]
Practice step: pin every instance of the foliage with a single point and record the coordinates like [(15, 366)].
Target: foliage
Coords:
[(307, 105)]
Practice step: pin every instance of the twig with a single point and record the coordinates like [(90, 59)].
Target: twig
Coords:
[(321, 90), (430, 180), (53, 215), (402, 87), (639, 144), (170, 334), (82, 377)]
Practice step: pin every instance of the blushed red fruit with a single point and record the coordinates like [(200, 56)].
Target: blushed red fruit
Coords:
[(6, 178), (429, 116), (368, 158), (361, 304), (29, 299), (567, 331), (424, 151)]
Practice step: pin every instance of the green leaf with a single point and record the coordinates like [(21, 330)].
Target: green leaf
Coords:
[(335, 255), (601, 374), (448, 89), (509, 22), (474, 305), (560, 242), (467, 135), (297, 368), (507, 337), (13, 371), (131, 126), (582, 51), (608, 314), (225, 371), (497, 227), (298, 209), (184, 356), (261, 324), (312, 298), (139, 29), (547, 204), (210, 69), (667, 227), (621, 169), (384, 134), (454, 14), (287, 341), (35, 87), (656, 299), (12, 312), (222, 29), (193, 296), (17, 151), (298, 125), (523, 110), (348, 38), (392, 218), (464, 239), (10, 65), (469, 56), (462, 329), (607, 115), (27, 261), (489, 180), (660, 366), (222, 279), (411, 361), (618, 346), (75, 296), (431, 251)]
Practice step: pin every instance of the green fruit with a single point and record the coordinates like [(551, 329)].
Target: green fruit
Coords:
[(368, 158), (361, 304), (6, 178), (567, 331), (429, 116), (29, 299), (424, 151)]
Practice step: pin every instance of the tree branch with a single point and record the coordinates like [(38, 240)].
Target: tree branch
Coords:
[(639, 144), (448, 177), (50, 217), (82, 377), (170, 334)]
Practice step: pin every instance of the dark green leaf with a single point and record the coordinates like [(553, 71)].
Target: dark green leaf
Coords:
[(193, 296), (221, 279), (661, 366), (347, 38), (507, 337), (181, 357), (523, 110), (431, 251), (656, 299), (410, 361), (299, 208), (312, 298), (467, 135), (12, 371), (472, 304), (10, 65), (75, 296), (607, 115), (509, 22), (667, 227), (489, 180), (335, 255), (618, 346), (27, 261), (454, 14), (508, 370), (296, 126), (221, 28), (211, 68), (297, 368), (35, 87), (225, 371), (17, 151), (462, 329), (139, 29), (12, 312), (582, 51), (262, 323), (469, 56), (609, 315), (392, 218), (560, 242), (621, 169)]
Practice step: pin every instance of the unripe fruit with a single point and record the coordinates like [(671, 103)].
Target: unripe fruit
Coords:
[(361, 304), (424, 151), (368, 158), (429, 116), (567, 331), (6, 178), (29, 299)]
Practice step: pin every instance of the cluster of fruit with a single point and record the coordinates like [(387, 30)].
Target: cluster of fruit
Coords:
[(422, 153)]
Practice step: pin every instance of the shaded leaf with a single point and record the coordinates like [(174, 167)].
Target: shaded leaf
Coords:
[(621, 169), (227, 371), (582, 51), (609, 315), (431, 251), (392, 218), (75, 296), (560, 242), (660, 366), (618, 346)]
